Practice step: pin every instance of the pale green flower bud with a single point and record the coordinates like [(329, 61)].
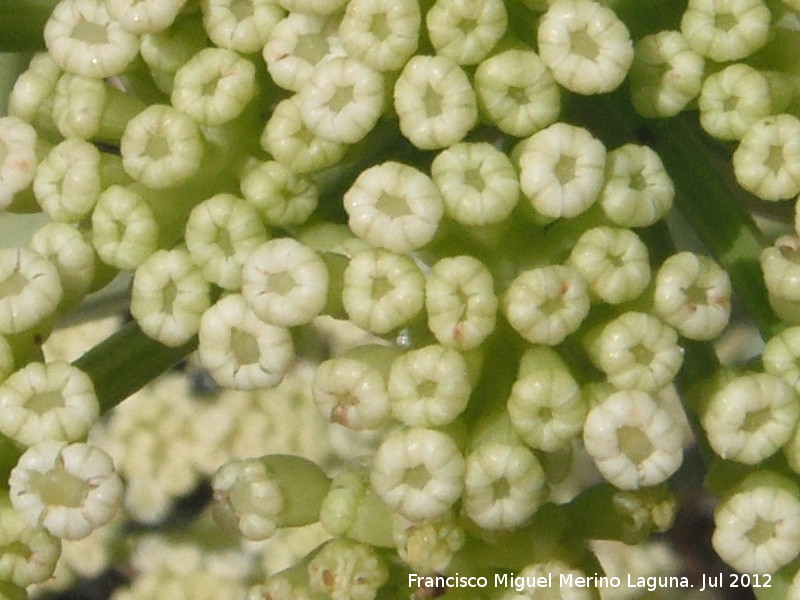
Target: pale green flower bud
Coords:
[(351, 389), (89, 108), (255, 496), (30, 553), (354, 510), (47, 401), (466, 32), (342, 100), (547, 304), (478, 183), (757, 526), (546, 407), (18, 158), (428, 546), (30, 289), (767, 160), (585, 45), (637, 351), (125, 228), (383, 34), (561, 170), (285, 282), (72, 255), (666, 74), (169, 297), (220, 233), (693, 295), (282, 197), (164, 52), (161, 147), (31, 98), (613, 262), (435, 102), (429, 386), (750, 417), (460, 302), (382, 291), (297, 44), (243, 26), (214, 86), (517, 92), (638, 191), (294, 145), (732, 99), (724, 31), (781, 356), (70, 178), (144, 16)]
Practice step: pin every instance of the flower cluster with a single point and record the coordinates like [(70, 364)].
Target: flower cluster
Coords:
[(448, 277)]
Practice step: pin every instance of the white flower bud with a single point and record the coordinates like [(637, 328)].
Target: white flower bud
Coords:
[(419, 473), (504, 485), (460, 301), (429, 386), (83, 39), (394, 207), (342, 100), (767, 160), (757, 527), (633, 441), (240, 350), (613, 262), (561, 170), (383, 34), (169, 297), (69, 490), (585, 45), (47, 401), (30, 289), (285, 282)]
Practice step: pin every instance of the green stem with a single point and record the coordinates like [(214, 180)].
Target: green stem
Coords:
[(22, 23), (126, 362)]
